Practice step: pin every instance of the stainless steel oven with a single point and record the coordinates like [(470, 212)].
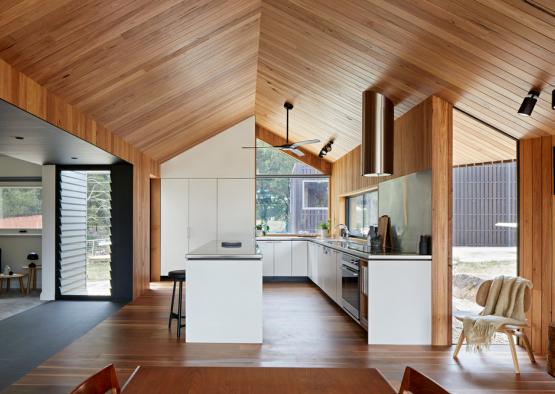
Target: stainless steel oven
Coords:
[(350, 284)]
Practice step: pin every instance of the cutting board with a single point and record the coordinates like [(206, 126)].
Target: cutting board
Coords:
[(383, 231)]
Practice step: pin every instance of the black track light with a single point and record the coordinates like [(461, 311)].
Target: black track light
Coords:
[(326, 148), (529, 103)]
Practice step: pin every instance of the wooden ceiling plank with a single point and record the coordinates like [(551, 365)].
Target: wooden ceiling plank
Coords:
[(174, 124), (501, 61), (134, 50), (176, 79), (448, 64), (167, 74)]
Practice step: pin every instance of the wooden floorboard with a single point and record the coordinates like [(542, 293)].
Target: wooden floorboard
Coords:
[(302, 328)]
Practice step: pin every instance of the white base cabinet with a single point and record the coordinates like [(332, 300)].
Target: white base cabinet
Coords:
[(299, 258), (313, 262), (267, 250), (282, 258), (328, 272)]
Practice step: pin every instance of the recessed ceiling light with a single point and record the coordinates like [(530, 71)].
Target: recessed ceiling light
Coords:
[(17, 137)]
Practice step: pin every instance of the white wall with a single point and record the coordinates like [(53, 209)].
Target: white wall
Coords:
[(10, 167), (48, 233), (16, 247), (221, 156)]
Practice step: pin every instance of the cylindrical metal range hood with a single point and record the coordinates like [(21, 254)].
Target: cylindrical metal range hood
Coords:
[(377, 134)]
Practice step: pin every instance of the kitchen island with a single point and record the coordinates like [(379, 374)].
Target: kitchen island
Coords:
[(223, 295)]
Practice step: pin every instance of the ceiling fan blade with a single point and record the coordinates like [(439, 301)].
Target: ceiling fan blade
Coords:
[(297, 152), (304, 143)]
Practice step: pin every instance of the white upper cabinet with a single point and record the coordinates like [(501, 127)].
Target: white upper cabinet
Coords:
[(174, 224), (299, 257), (203, 212), (236, 209), (282, 258)]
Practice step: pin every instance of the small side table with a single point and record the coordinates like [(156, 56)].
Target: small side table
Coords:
[(8, 278), (32, 278)]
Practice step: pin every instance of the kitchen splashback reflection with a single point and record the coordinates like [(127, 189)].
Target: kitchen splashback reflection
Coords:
[(408, 203)]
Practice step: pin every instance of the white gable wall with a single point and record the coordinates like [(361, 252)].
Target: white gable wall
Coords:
[(221, 156)]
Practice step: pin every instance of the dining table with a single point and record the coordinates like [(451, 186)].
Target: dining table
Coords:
[(253, 380)]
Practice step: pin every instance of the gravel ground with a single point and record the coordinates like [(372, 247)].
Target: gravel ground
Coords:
[(471, 263)]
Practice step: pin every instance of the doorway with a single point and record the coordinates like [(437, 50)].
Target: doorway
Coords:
[(485, 211), (84, 232)]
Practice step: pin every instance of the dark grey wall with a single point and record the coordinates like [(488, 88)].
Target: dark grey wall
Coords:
[(484, 195)]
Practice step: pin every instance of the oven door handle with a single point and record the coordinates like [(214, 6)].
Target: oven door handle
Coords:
[(353, 271)]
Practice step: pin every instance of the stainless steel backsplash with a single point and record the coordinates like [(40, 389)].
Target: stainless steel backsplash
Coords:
[(408, 202)]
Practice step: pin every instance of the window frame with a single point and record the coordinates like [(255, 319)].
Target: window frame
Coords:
[(347, 210), (321, 177), (21, 182), (303, 195), (68, 297)]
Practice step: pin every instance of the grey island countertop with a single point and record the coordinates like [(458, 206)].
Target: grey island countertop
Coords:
[(215, 250)]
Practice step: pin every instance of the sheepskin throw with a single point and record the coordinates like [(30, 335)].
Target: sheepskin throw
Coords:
[(504, 305)]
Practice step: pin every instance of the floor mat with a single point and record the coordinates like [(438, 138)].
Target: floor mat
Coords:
[(13, 303)]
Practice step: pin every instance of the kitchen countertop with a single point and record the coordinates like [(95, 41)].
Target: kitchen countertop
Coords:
[(214, 250), (357, 249)]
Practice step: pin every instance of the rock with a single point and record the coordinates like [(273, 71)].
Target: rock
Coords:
[(465, 286)]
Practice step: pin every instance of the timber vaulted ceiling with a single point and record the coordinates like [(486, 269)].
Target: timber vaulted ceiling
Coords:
[(167, 74)]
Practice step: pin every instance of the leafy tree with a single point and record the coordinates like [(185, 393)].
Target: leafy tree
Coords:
[(20, 201), (98, 205), (273, 195)]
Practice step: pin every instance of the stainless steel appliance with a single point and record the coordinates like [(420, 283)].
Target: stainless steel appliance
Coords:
[(350, 284)]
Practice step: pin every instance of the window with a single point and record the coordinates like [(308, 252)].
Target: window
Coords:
[(20, 208), (361, 213), (315, 194), (291, 197)]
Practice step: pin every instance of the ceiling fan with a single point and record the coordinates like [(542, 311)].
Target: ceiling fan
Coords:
[(287, 146)]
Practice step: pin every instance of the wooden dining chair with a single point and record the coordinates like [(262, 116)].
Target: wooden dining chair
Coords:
[(102, 382), (416, 383), (513, 330)]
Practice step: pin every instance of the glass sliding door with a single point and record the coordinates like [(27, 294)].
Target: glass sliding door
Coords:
[(485, 212), (84, 234)]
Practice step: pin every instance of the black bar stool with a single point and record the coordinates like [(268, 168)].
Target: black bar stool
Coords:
[(177, 276)]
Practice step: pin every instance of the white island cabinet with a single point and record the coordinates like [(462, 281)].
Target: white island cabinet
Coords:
[(399, 301), (223, 296)]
